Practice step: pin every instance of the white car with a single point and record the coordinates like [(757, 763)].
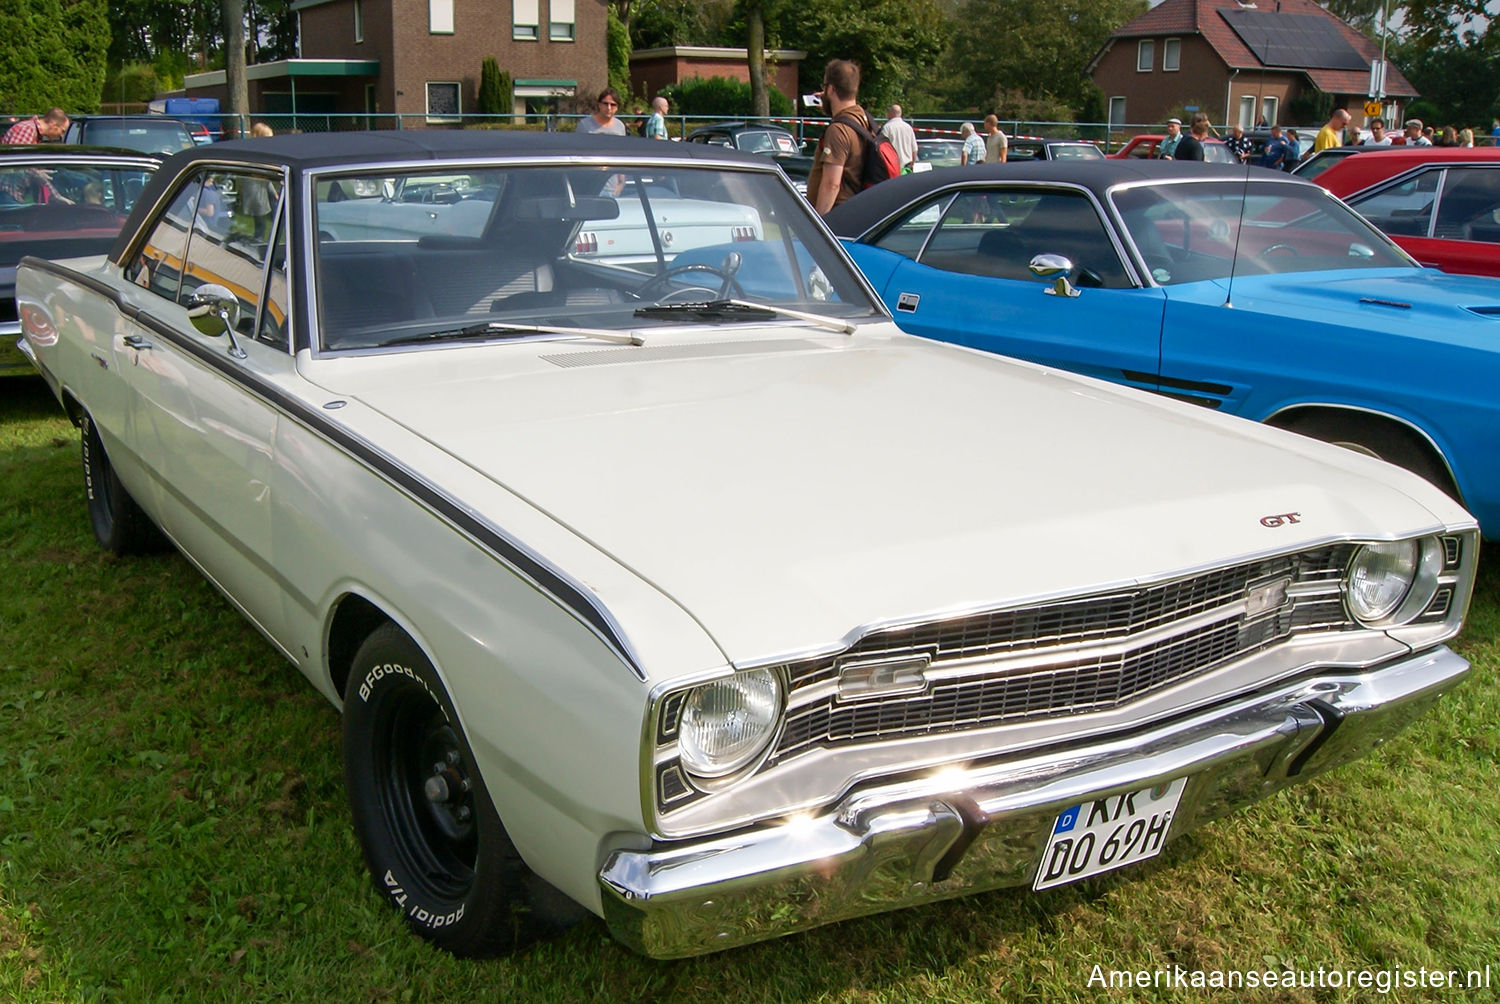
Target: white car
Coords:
[(693, 593)]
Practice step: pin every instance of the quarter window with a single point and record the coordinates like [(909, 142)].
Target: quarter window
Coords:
[(158, 264), (231, 240), (1403, 210), (1145, 55), (1470, 207)]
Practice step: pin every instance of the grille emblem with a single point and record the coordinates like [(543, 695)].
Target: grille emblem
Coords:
[(1265, 598), (871, 678)]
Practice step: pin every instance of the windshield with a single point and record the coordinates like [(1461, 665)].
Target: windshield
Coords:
[(64, 210), (1195, 231), (403, 256)]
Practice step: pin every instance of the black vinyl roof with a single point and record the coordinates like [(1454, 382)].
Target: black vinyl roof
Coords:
[(858, 215), (299, 152)]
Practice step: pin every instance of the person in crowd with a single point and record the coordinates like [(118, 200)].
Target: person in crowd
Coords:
[(1466, 137), (1378, 135), (1430, 133), (1277, 153), (1331, 135), (839, 160), (973, 151), (39, 128), (656, 125), (1413, 133), (1239, 144), (996, 146), (1294, 146), (1448, 137), (1168, 146), (1190, 147), (603, 120), (259, 130), (902, 136)]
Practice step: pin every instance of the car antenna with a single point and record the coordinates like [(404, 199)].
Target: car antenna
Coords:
[(1245, 190)]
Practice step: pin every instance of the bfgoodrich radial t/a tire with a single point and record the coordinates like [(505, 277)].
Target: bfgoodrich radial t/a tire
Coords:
[(432, 839), (120, 525)]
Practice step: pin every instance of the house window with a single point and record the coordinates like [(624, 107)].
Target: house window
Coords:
[(1171, 54), (525, 20), (1269, 108), (440, 17), (1247, 111), (561, 26), (442, 102), (359, 21), (1116, 112), (1145, 55)]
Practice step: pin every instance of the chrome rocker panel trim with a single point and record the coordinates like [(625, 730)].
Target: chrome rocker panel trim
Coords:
[(970, 829)]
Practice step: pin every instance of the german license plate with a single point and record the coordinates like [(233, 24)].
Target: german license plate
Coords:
[(1107, 833)]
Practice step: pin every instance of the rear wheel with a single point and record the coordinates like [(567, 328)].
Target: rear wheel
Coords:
[(120, 525), (1377, 437), (432, 839)]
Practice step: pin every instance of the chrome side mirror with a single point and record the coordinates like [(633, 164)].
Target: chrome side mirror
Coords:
[(214, 311), (1047, 266)]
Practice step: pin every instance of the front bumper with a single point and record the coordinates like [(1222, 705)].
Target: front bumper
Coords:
[(984, 826)]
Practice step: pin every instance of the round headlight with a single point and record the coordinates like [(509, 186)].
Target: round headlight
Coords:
[(727, 723), (1380, 576)]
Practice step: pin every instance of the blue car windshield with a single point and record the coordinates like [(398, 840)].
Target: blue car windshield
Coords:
[(1193, 231), (431, 251)]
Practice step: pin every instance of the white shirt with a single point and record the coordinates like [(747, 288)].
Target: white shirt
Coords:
[(903, 137)]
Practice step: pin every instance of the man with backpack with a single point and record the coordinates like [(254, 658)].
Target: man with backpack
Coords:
[(839, 168)]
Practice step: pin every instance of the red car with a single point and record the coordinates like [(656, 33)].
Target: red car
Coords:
[(1143, 147), (1441, 204)]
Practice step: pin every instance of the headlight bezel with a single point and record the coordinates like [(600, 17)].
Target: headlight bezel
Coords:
[(1420, 587)]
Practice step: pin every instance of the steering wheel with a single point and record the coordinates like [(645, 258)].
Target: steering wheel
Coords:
[(730, 285), (1281, 247)]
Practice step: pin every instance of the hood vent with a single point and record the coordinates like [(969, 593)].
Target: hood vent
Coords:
[(666, 353), (1490, 312)]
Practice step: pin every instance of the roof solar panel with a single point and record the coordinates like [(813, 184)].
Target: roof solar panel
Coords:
[(1297, 40)]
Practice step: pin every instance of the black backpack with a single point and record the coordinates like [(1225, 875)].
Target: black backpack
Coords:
[(882, 162)]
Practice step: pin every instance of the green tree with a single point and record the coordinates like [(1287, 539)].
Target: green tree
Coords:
[(895, 42), (658, 23), (1034, 49), (618, 54), (55, 54), (1459, 81)]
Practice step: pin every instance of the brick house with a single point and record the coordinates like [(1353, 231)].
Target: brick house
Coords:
[(423, 59), (653, 69), (1239, 61)]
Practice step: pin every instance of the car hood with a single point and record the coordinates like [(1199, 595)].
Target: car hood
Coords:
[(1419, 303), (786, 491)]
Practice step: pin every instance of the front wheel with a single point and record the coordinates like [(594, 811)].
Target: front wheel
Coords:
[(432, 839)]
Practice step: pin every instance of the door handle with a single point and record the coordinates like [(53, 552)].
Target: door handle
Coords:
[(136, 342)]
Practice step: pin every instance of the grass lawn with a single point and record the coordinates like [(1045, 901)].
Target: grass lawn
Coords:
[(173, 827)]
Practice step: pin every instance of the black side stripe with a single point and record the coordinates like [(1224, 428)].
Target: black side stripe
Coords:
[(544, 576)]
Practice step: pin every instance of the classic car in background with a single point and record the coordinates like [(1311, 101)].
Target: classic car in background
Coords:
[(1440, 204), (1314, 164), (1023, 148), (620, 578), (1241, 289), (1143, 147), (937, 152), (58, 201), (150, 134), (763, 138)]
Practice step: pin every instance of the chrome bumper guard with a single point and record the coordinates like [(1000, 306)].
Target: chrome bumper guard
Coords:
[(972, 828)]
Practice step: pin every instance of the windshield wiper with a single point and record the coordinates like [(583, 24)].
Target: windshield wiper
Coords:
[(492, 329), (722, 310)]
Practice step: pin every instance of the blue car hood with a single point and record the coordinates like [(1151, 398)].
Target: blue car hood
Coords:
[(1423, 303)]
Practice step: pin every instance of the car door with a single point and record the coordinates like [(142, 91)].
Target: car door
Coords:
[(201, 413), (1444, 217), (959, 272)]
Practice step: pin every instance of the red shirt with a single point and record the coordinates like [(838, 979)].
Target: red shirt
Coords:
[(23, 132)]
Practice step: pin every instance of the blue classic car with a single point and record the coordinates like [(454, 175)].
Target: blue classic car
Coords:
[(1243, 290)]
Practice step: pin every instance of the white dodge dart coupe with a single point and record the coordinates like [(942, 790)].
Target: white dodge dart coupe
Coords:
[(658, 575)]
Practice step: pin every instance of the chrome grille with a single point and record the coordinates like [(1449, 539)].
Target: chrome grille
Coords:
[(1095, 667)]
